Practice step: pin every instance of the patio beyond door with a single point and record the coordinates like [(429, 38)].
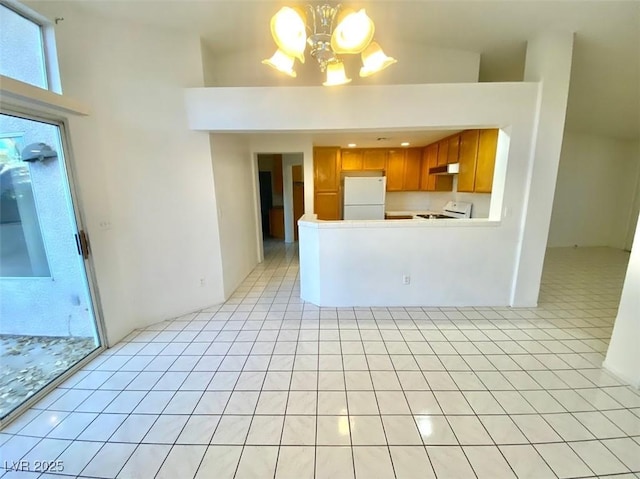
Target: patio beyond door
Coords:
[(47, 320)]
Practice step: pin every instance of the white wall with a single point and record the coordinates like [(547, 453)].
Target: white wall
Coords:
[(530, 115), (594, 196), (449, 262), (420, 64), (623, 355), (548, 62), (490, 250), (140, 168), (635, 204), (288, 161), (234, 172)]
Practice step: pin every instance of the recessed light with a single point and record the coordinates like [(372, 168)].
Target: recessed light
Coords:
[(405, 143), (352, 145)]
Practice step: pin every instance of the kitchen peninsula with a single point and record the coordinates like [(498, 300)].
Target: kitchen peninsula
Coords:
[(412, 260)]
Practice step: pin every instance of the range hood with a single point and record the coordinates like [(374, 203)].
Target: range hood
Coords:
[(450, 169)]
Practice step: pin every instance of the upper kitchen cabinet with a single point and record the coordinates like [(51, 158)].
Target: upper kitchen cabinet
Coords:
[(374, 159), (326, 172), (467, 159), (443, 152), (403, 169), (477, 160), (429, 160), (454, 148), (412, 164), (351, 160), (429, 182), (487, 146), (326, 168), (395, 170)]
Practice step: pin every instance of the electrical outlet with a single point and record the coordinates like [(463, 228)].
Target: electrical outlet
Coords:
[(406, 279), (104, 225)]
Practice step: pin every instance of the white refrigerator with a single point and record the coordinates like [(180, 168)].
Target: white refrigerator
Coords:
[(364, 197)]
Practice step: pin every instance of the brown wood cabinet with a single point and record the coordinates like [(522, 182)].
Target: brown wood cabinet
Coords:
[(487, 145), (430, 182), (407, 169), (395, 170), (467, 159), (374, 159), (276, 222), (412, 166), (429, 160), (443, 152), (477, 160), (327, 205), (297, 174), (454, 147), (326, 173), (351, 160), (326, 166)]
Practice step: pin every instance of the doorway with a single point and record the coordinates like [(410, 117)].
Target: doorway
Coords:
[(48, 322), (270, 177)]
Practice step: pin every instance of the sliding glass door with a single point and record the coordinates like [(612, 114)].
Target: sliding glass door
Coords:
[(47, 320)]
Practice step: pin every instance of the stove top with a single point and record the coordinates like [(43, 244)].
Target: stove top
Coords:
[(436, 216)]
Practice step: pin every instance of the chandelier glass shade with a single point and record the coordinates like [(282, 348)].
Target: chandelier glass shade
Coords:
[(329, 32)]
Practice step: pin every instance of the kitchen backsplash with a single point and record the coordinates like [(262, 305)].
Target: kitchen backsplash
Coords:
[(435, 201)]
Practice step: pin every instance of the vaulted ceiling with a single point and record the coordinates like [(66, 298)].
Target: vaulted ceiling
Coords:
[(604, 95)]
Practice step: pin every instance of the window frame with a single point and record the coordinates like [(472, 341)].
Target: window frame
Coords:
[(47, 38)]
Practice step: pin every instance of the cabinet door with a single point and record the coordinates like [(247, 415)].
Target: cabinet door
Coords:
[(429, 160), (351, 160), (412, 164), (443, 152), (467, 159), (327, 206), (487, 145), (374, 159), (395, 170), (326, 168), (454, 146), (297, 173), (277, 174), (276, 222)]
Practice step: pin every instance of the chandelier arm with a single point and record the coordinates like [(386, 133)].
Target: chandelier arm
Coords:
[(313, 16), (333, 17)]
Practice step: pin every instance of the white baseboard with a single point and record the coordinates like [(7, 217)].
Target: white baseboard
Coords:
[(633, 382)]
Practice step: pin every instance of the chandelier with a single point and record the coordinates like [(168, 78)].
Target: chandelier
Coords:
[(329, 32)]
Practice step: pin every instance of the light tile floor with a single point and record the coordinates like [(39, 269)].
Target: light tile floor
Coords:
[(267, 386)]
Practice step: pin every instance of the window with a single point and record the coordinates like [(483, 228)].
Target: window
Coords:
[(22, 52)]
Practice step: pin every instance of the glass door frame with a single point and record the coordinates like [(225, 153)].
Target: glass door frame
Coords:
[(68, 165)]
